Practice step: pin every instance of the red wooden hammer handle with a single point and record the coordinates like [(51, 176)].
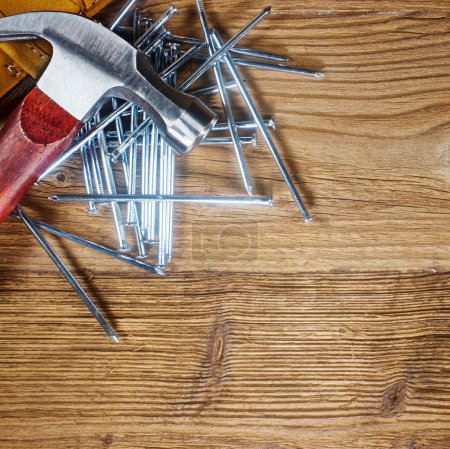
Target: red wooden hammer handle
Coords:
[(36, 134)]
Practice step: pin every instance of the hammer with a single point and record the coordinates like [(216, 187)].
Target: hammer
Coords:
[(89, 65)]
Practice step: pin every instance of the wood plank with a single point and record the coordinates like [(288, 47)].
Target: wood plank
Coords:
[(265, 333)]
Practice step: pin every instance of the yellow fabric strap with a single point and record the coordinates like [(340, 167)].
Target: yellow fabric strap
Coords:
[(19, 59)]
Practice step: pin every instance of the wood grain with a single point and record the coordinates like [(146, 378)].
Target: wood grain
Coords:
[(266, 333)]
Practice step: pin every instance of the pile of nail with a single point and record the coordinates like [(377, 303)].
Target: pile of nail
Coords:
[(130, 169)]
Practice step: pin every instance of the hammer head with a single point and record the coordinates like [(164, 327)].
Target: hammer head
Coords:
[(91, 63)]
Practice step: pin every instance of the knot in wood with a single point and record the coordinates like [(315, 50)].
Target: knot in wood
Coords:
[(394, 398)]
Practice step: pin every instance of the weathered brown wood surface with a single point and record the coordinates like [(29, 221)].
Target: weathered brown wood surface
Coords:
[(266, 333)]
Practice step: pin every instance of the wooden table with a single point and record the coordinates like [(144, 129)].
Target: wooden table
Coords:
[(266, 333)]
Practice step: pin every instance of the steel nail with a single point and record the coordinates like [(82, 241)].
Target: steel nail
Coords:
[(246, 125), (152, 212), (87, 172), (223, 200), (142, 252), (224, 49), (145, 179), (178, 63), (125, 10), (245, 140), (173, 56), (67, 274), (99, 248), (96, 171), (132, 169), (163, 215), (210, 90), (279, 68), (129, 140), (262, 128), (237, 50), (111, 188), (137, 21), (226, 103), (157, 42), (156, 26), (269, 66)]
